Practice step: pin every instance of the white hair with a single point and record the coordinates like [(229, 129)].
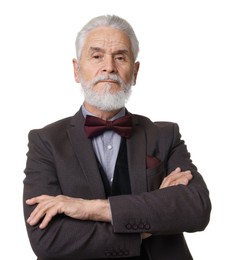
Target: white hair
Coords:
[(111, 21)]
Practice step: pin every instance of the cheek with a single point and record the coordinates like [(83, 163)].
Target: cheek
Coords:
[(127, 76), (88, 73)]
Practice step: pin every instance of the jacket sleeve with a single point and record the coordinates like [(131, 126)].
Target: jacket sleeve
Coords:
[(66, 238), (171, 210)]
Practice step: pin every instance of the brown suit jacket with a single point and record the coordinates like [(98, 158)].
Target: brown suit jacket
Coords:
[(61, 161)]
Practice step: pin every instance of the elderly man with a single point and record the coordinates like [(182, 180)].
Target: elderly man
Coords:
[(107, 183)]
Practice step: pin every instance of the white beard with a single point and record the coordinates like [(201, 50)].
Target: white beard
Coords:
[(106, 100)]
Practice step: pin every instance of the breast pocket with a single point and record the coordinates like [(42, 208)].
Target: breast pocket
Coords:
[(155, 177)]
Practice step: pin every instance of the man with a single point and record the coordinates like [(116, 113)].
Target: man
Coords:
[(118, 187)]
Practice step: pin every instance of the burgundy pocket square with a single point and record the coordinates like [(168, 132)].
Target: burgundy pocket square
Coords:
[(152, 162)]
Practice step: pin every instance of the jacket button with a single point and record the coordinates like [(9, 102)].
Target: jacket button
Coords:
[(135, 226), (128, 226), (141, 226), (126, 252), (147, 226)]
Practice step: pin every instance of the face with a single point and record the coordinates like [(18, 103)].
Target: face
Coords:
[(106, 64)]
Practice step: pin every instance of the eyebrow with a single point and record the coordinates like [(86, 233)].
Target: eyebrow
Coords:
[(97, 49), (93, 49)]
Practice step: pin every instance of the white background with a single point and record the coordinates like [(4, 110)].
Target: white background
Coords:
[(185, 76)]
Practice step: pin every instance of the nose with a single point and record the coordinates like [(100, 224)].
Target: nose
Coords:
[(109, 64)]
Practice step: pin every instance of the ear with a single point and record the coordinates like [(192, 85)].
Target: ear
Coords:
[(76, 70), (136, 70)]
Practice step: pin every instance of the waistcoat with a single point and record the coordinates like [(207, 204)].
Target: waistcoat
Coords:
[(121, 184)]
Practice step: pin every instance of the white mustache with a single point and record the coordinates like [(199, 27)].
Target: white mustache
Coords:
[(113, 77)]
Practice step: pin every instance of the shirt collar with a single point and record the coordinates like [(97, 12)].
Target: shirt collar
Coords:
[(121, 113)]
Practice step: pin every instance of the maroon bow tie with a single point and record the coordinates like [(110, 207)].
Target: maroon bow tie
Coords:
[(95, 126)]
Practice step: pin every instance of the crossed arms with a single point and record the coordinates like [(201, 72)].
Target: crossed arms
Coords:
[(74, 225), (82, 209)]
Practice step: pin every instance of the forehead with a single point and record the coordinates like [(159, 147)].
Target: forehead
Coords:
[(107, 38)]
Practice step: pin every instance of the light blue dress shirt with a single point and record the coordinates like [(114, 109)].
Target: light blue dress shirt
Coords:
[(106, 146)]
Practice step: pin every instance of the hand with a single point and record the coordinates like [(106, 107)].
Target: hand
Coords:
[(176, 177), (49, 206), (145, 235)]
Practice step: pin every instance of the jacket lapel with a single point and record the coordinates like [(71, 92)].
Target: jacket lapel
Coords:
[(85, 155), (136, 149)]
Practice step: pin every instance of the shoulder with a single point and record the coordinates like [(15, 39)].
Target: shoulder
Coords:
[(53, 133), (163, 135), (60, 126), (160, 130), (147, 123), (54, 127)]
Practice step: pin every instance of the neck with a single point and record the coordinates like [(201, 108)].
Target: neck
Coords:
[(106, 115)]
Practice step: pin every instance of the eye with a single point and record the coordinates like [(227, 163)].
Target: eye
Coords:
[(97, 56), (120, 57)]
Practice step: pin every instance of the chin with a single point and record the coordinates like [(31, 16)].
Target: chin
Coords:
[(108, 102), (106, 87), (108, 107), (107, 97)]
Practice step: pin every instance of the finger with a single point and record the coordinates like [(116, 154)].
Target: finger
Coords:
[(188, 175), (165, 183), (176, 177), (40, 211), (35, 216), (183, 181), (48, 217), (145, 235), (171, 178), (167, 180), (177, 170), (181, 178), (37, 199), (31, 201), (56, 206)]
